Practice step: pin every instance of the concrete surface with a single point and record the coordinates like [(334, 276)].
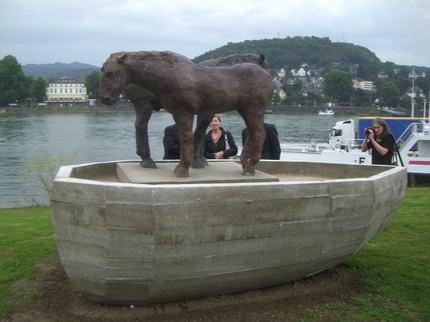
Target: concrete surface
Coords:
[(137, 243), (216, 172)]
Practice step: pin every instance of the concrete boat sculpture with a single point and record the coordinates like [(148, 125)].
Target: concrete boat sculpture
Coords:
[(128, 235)]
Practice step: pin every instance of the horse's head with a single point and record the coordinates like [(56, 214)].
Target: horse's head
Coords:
[(115, 78)]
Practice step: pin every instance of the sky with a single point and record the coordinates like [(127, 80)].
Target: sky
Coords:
[(88, 31)]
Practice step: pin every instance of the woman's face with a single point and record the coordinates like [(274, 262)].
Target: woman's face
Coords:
[(215, 123), (377, 129)]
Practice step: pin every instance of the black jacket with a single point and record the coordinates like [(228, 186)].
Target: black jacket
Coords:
[(172, 147), (271, 147), (211, 147)]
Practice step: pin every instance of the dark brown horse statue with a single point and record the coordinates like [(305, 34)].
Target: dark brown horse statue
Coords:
[(185, 89), (145, 102)]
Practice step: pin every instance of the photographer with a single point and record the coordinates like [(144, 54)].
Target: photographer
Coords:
[(380, 140)]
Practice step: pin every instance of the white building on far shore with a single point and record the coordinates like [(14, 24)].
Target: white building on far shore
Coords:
[(66, 90)]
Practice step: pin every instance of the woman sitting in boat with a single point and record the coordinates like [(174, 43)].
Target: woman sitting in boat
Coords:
[(380, 140), (219, 144)]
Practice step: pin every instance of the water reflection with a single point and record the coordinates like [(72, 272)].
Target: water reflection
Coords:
[(99, 137)]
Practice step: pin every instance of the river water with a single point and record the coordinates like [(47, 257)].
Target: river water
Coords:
[(98, 137)]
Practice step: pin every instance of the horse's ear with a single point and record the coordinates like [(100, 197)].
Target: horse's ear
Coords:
[(122, 58), (261, 59)]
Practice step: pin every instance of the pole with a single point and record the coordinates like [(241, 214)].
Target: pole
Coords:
[(413, 92)]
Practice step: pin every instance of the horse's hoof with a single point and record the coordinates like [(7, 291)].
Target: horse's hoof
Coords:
[(181, 173), (198, 164), (248, 170), (148, 164), (204, 161)]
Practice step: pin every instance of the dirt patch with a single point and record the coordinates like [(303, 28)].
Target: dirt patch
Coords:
[(58, 300)]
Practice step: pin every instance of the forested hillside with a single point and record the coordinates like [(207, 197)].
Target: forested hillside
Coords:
[(291, 52), (57, 70)]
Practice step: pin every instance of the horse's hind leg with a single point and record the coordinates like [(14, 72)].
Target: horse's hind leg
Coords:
[(254, 120), (203, 122), (185, 128), (143, 114)]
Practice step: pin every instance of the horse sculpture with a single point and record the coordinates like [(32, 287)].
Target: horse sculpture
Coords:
[(185, 89), (145, 102)]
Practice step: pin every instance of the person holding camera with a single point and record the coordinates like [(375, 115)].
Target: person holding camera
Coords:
[(380, 140)]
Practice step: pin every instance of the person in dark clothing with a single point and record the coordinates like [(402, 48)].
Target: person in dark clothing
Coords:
[(271, 147), (172, 147), (380, 140), (219, 144)]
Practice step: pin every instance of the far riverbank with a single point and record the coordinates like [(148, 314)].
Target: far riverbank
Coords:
[(128, 107)]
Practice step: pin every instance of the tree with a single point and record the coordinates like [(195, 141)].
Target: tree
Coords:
[(276, 98), (362, 98), (296, 87), (13, 83), (390, 94), (38, 88), (92, 82), (405, 101), (338, 85)]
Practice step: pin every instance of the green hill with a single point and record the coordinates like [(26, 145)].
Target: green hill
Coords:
[(318, 53), (57, 70)]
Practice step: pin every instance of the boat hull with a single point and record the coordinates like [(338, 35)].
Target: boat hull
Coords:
[(124, 243)]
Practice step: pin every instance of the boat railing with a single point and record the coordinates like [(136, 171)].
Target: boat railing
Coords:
[(419, 128), (353, 143), (312, 146)]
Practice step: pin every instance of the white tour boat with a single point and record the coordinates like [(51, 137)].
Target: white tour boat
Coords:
[(326, 112), (412, 137)]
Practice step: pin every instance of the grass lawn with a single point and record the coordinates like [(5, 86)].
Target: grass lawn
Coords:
[(26, 237), (395, 264)]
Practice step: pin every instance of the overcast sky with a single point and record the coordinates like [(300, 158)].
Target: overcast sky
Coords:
[(88, 31)]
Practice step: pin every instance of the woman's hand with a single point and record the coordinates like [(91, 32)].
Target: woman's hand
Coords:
[(219, 155), (369, 133)]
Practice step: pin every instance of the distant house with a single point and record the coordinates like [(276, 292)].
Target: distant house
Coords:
[(66, 90), (281, 73), (281, 93), (300, 73), (413, 92), (382, 74), (314, 72), (356, 83), (416, 74), (364, 85)]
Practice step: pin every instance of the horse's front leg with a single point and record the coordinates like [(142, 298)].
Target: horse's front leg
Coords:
[(143, 114), (254, 120), (203, 122), (185, 128)]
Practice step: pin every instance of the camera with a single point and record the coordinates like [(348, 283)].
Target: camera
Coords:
[(367, 132)]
